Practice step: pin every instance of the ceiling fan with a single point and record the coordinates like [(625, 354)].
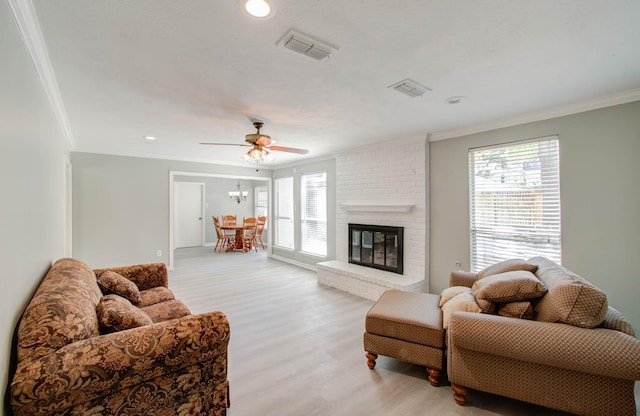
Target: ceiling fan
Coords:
[(261, 146)]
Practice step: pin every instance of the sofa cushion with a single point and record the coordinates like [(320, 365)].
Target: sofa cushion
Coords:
[(156, 295), (116, 313), (507, 266), (519, 310), (463, 302), (451, 292), (509, 287), (112, 283), (615, 320), (164, 311), (571, 299)]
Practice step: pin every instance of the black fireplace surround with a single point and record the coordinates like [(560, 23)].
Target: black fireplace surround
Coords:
[(376, 246)]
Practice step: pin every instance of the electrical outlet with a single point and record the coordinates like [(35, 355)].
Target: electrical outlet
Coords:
[(159, 253)]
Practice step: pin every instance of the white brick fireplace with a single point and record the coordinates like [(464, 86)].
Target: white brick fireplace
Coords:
[(383, 184)]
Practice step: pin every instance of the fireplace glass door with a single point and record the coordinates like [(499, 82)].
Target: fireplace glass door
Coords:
[(379, 247)]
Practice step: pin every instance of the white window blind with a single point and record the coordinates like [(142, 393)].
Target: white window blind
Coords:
[(284, 212), (514, 192), (314, 213)]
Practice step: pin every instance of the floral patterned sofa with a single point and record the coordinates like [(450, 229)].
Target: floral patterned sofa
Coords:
[(115, 341)]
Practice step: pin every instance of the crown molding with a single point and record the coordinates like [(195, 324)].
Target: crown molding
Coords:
[(546, 114), (29, 28)]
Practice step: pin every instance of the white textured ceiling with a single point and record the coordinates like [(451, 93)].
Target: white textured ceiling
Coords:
[(199, 70)]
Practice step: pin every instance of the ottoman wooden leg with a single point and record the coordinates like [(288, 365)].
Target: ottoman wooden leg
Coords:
[(434, 376), (459, 394), (371, 359)]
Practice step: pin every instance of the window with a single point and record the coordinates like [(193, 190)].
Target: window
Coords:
[(314, 213), (262, 201), (514, 192), (284, 212)]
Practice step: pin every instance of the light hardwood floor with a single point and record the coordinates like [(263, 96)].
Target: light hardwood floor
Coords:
[(296, 346)]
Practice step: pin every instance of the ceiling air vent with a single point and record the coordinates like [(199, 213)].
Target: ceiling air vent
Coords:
[(305, 45), (410, 87)]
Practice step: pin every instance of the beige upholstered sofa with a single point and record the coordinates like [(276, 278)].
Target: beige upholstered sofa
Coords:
[(577, 355), (75, 355)]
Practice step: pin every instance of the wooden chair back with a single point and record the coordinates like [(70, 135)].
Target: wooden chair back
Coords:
[(229, 220)]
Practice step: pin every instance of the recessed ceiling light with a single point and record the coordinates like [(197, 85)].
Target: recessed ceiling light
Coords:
[(257, 8), (149, 138), (454, 100)]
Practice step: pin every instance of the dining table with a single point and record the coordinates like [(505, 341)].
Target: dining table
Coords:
[(237, 244)]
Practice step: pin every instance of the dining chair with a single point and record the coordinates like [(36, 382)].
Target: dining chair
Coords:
[(229, 220), (249, 227), (262, 222), (221, 237)]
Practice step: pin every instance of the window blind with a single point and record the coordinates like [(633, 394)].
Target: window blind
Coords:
[(514, 192), (314, 213), (284, 212)]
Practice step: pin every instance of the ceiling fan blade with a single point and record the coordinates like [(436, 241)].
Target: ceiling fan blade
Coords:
[(289, 150), (224, 144)]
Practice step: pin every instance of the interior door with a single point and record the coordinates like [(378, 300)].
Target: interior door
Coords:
[(188, 216)]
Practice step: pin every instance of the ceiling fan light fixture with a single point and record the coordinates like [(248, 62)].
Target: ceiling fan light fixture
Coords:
[(257, 8)]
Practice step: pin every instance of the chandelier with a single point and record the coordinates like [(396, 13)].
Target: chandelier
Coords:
[(238, 195)]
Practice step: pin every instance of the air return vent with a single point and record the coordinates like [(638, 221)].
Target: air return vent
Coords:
[(305, 45), (410, 87)]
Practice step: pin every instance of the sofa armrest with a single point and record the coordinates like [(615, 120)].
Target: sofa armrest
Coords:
[(460, 278), (597, 351), (96, 367), (145, 276)]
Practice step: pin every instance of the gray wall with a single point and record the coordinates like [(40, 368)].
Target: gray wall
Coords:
[(599, 181), (32, 159), (121, 206), (318, 166)]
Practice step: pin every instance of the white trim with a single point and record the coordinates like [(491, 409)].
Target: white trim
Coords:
[(546, 114), (294, 262), (375, 207), (29, 28)]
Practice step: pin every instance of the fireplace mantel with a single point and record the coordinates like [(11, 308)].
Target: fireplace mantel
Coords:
[(375, 207)]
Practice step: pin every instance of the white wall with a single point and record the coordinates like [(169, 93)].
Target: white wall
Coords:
[(32, 162), (121, 206), (599, 182), (387, 173)]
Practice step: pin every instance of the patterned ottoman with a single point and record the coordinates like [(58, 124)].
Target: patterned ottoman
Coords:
[(406, 326)]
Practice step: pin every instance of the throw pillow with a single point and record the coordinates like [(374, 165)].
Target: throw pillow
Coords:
[(116, 313), (509, 287), (507, 266), (463, 302), (450, 292), (519, 310), (112, 283)]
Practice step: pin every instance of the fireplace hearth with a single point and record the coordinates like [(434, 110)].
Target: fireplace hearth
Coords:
[(376, 246)]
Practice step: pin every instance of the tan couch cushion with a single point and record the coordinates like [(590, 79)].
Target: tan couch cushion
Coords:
[(463, 302), (615, 320), (571, 299), (519, 310), (116, 313), (507, 266), (451, 292), (509, 287), (112, 283)]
